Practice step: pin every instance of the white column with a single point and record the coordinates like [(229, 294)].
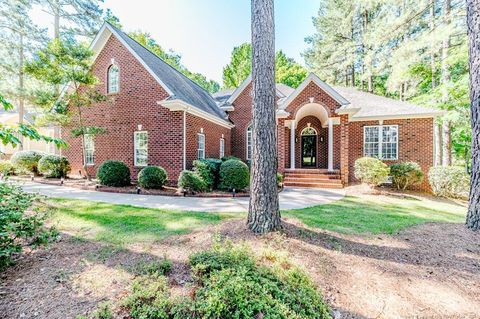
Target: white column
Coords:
[(330, 145), (292, 144)]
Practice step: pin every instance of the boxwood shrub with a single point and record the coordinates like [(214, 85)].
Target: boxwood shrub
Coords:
[(113, 173), (27, 161), (234, 174), (6, 168), (54, 166), (371, 171), (406, 174), (152, 177), (449, 181), (214, 164), (191, 182)]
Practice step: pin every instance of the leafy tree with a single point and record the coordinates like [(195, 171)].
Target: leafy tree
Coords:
[(287, 71), (174, 59), (263, 211), (67, 64), (20, 38)]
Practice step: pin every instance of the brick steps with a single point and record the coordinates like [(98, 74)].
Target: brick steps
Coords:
[(312, 178)]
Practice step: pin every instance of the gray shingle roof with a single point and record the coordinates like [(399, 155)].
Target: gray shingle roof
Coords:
[(221, 97), (182, 87), (371, 105)]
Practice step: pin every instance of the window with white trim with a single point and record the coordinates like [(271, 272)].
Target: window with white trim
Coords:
[(381, 141), (141, 148), (89, 148), (113, 79), (222, 148), (201, 146), (249, 143)]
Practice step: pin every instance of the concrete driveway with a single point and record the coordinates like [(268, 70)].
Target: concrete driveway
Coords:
[(290, 198)]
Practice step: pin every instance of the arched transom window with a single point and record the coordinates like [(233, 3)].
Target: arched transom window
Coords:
[(309, 131), (113, 79)]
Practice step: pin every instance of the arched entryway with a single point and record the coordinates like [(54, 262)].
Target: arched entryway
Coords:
[(309, 147)]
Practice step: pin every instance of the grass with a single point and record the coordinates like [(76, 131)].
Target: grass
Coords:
[(378, 214), (123, 224)]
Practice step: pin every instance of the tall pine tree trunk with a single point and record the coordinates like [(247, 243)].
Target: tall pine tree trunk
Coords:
[(473, 24), (21, 87), (263, 213), (438, 144), (445, 78)]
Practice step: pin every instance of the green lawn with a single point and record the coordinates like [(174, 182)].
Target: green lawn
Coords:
[(123, 224), (378, 214)]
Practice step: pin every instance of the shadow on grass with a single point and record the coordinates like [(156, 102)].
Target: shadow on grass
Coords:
[(358, 215)]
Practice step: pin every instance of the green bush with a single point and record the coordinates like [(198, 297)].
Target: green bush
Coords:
[(54, 166), (204, 170), (236, 285), (191, 182), (27, 160), (279, 179), (7, 168), (113, 173), (103, 311), (234, 174), (161, 267), (214, 164), (152, 177), (449, 181), (230, 157), (21, 223), (406, 174), (371, 171)]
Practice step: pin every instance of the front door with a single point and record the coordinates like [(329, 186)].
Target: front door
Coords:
[(309, 151)]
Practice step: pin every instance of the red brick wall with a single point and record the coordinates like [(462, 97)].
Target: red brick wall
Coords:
[(415, 143), (136, 104), (213, 134), (242, 118)]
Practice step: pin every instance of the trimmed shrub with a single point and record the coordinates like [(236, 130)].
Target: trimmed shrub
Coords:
[(230, 157), (279, 179), (406, 174), (204, 170), (449, 181), (152, 177), (371, 171), (234, 174), (54, 166), (191, 182), (214, 164), (27, 160), (7, 168), (113, 173)]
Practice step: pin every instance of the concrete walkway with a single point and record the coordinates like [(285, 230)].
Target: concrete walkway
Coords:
[(290, 198)]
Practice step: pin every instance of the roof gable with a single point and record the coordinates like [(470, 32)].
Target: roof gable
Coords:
[(177, 85)]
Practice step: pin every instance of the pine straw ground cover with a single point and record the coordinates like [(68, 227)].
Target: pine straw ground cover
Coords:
[(426, 267)]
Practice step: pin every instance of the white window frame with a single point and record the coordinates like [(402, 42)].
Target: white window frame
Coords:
[(110, 88), (222, 148), (136, 147), (89, 149), (380, 141), (249, 143), (200, 146)]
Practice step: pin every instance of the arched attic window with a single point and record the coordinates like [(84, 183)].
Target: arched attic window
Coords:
[(113, 79)]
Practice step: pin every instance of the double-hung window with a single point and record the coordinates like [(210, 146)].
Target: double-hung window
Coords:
[(249, 143), (381, 141), (141, 148), (222, 148), (89, 147), (201, 146)]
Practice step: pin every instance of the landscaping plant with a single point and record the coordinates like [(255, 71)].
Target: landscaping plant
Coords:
[(371, 171), (27, 161), (205, 171), (6, 168), (54, 166), (114, 173), (152, 177), (21, 223), (234, 174), (406, 174), (191, 182), (449, 181), (231, 283)]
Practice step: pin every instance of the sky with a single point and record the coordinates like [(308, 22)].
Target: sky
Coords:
[(204, 32)]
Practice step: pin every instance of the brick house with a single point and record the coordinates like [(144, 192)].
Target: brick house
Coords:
[(157, 116)]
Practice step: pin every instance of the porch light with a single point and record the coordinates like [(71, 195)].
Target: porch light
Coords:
[(321, 139)]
